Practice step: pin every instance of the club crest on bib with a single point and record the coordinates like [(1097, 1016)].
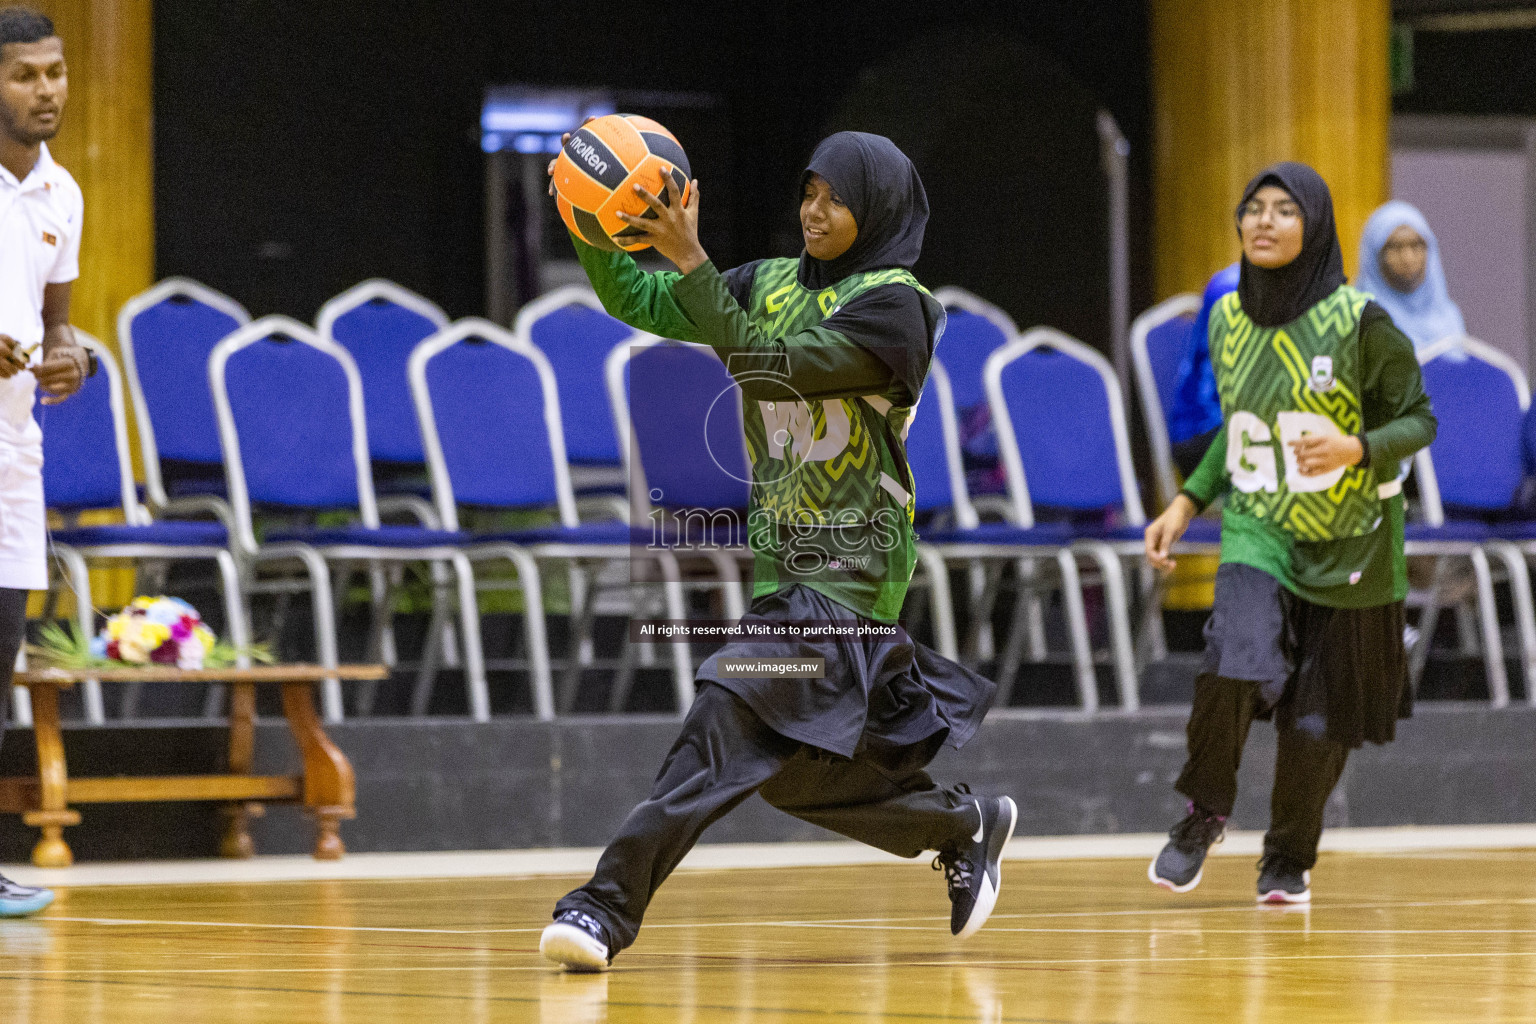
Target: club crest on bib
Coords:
[(1322, 374)]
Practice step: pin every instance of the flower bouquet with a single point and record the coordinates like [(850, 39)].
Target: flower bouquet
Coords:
[(149, 631)]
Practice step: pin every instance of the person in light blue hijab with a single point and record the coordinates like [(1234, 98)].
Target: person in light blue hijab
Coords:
[(1400, 268)]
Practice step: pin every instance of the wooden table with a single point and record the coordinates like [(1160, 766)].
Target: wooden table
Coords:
[(325, 787)]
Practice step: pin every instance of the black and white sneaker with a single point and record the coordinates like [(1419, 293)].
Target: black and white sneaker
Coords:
[(22, 900), (1181, 863), (973, 870), (1282, 880), (578, 941)]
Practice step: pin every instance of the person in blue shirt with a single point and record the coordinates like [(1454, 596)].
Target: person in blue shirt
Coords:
[(1194, 415)]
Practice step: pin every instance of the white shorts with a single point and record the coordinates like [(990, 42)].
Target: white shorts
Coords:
[(23, 518)]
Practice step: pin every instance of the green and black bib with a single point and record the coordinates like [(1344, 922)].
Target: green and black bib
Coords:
[(1279, 384), (832, 495)]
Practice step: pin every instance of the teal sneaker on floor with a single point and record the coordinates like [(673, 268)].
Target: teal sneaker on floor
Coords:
[(22, 900)]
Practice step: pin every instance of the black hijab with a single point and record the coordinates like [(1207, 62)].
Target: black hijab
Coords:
[(885, 196), (1278, 296)]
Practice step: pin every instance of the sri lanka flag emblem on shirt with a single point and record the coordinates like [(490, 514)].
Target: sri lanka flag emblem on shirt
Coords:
[(50, 239)]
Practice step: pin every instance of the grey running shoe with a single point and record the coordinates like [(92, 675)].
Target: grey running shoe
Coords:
[(1181, 863), (578, 941), (1282, 880), (973, 869), (21, 900)]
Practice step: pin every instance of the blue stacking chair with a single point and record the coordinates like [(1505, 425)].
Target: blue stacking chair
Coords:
[(1065, 444), (678, 412), (571, 328), (1480, 398), (1159, 338), (955, 533), (166, 335), (975, 329), (86, 466), (1062, 428), (380, 324), (932, 445), (490, 415), (295, 437), (678, 415)]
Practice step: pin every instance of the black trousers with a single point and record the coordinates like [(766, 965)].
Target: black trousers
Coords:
[(725, 753), (13, 629), (1306, 768)]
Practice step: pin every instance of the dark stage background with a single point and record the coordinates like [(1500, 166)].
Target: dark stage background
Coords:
[(302, 148), (1472, 73)]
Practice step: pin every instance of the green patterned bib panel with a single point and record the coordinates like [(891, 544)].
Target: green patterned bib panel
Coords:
[(1280, 384), (832, 495)]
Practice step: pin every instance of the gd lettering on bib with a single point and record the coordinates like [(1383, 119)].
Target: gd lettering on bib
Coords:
[(1279, 385)]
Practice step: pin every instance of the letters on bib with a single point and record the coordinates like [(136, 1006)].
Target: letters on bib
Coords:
[(1251, 452), (792, 425)]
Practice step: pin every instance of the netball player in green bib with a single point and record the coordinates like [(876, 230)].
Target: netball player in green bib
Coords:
[(830, 351), (1321, 400)]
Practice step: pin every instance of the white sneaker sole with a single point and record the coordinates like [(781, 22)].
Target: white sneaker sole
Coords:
[(566, 944), (1283, 897), (986, 899), (1163, 883)]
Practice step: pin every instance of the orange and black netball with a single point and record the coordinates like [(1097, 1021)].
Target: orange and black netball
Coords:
[(597, 168)]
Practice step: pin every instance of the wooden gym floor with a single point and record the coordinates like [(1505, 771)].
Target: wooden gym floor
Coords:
[(1442, 936)]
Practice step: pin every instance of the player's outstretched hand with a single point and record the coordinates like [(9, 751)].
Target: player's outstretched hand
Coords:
[(674, 231), (1164, 532)]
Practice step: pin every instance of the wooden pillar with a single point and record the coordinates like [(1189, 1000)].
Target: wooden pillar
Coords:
[(1238, 84), (107, 143)]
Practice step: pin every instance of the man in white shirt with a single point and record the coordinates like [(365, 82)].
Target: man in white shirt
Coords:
[(41, 210)]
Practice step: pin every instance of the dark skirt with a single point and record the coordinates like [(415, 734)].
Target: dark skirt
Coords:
[(890, 691), (1334, 673)]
